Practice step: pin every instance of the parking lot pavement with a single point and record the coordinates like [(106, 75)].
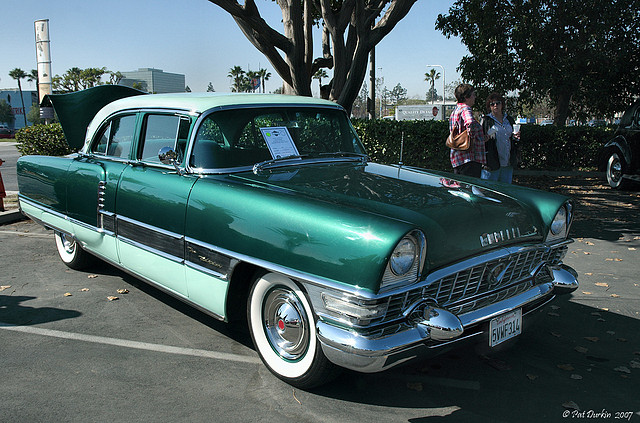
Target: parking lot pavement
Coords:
[(147, 357)]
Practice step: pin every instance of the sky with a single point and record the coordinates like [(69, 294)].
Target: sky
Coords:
[(200, 40)]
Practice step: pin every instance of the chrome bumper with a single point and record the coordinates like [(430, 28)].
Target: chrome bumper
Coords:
[(432, 329)]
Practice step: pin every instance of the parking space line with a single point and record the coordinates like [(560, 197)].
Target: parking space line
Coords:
[(131, 344)]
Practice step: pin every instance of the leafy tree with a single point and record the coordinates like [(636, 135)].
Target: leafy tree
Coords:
[(76, 79), (320, 73), (19, 74), (431, 77), (33, 77), (583, 55), (6, 113), (210, 88), (350, 29), (187, 89), (398, 94)]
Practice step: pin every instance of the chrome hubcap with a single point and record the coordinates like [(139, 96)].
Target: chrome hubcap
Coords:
[(615, 170), (68, 244), (285, 324)]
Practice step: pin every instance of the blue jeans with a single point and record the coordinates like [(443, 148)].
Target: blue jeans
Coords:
[(504, 174)]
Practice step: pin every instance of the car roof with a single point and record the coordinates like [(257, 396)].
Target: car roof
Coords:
[(197, 103)]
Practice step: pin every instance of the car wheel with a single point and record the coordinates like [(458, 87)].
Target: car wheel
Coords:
[(72, 253), (615, 169), (283, 331)]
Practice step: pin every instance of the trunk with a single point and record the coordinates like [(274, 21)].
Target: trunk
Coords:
[(563, 99)]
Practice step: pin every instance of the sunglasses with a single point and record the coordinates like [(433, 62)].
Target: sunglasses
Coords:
[(496, 103)]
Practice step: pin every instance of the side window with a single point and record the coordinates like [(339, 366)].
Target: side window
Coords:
[(116, 137), (164, 131)]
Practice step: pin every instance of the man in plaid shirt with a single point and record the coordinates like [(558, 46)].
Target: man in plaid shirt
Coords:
[(468, 162)]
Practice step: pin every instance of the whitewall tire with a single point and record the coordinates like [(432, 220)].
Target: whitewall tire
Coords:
[(283, 330), (71, 253)]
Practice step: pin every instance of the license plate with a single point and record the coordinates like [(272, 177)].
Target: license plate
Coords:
[(505, 327)]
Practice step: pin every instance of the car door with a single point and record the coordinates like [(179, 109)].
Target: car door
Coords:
[(93, 182), (151, 204)]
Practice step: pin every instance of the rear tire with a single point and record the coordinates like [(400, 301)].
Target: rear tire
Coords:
[(284, 333), (71, 253), (615, 170)]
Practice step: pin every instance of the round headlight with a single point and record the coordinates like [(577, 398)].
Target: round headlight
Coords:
[(404, 256), (559, 223)]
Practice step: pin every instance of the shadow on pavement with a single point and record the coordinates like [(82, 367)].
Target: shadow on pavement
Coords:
[(601, 212), (575, 356)]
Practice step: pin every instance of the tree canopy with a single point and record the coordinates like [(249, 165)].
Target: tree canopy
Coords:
[(350, 29), (582, 55)]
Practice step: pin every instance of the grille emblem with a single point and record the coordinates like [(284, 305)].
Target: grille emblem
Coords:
[(496, 274)]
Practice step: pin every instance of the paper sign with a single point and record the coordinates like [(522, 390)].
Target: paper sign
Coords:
[(279, 141)]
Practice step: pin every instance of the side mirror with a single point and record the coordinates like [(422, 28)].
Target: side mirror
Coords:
[(168, 156)]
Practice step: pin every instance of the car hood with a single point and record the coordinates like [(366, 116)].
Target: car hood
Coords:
[(459, 218)]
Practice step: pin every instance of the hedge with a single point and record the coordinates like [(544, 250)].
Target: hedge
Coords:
[(543, 147), (422, 143), (47, 140)]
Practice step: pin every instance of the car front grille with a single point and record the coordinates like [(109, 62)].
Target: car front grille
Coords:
[(480, 285)]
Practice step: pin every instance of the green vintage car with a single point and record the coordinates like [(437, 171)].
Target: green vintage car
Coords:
[(265, 208)]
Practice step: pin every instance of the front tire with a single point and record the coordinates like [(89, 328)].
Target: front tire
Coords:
[(283, 330), (71, 253), (615, 170)]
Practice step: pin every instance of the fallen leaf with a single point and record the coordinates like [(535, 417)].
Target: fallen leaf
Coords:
[(601, 320), (618, 259), (84, 290), (586, 292), (622, 369), (587, 253), (604, 284), (589, 274), (622, 339), (570, 405), (576, 377), (67, 294), (557, 335), (634, 364), (592, 338), (595, 313), (555, 307), (532, 377), (92, 276), (296, 398), (3, 287), (589, 243), (417, 386), (608, 259), (610, 332), (553, 314), (123, 291), (582, 350), (112, 298), (615, 295), (631, 249), (567, 367), (604, 309)]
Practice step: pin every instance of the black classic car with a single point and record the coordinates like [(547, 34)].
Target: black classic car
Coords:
[(622, 153)]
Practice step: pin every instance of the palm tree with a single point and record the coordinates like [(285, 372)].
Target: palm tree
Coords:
[(264, 76), (320, 73), (19, 74), (33, 77), (236, 73), (432, 75)]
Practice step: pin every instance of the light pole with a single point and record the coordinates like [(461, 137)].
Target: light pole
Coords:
[(443, 98)]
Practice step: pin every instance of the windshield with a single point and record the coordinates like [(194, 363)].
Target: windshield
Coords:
[(246, 136)]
